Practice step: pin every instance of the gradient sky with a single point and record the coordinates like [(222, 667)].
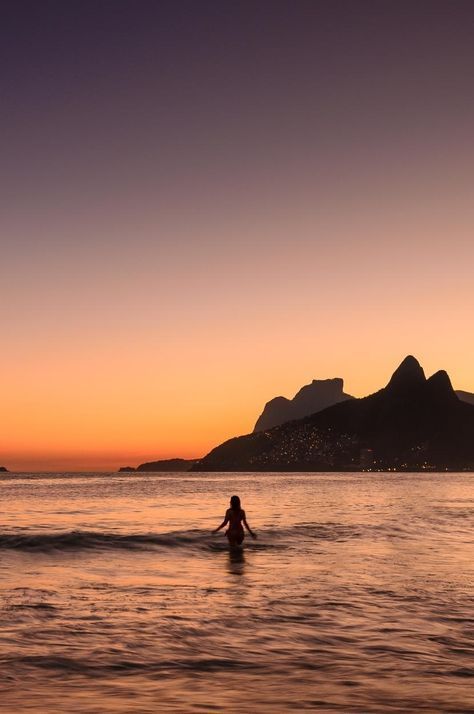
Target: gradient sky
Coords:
[(207, 204)]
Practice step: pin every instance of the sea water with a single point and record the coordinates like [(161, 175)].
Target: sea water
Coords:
[(357, 595)]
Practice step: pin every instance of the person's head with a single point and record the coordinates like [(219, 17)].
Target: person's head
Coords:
[(235, 503)]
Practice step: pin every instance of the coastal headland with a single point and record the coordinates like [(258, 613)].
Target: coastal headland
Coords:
[(412, 424)]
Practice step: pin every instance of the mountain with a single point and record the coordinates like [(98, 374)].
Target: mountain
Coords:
[(311, 398), (413, 423), (3, 469), (465, 396), (167, 465)]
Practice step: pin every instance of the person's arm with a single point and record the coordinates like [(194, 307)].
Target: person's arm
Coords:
[(224, 522), (248, 527)]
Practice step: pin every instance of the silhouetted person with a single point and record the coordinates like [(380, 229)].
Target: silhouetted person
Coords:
[(235, 516)]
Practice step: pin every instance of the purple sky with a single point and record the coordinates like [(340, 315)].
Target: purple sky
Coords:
[(205, 204)]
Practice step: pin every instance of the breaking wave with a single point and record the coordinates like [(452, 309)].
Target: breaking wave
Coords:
[(269, 538), (90, 540)]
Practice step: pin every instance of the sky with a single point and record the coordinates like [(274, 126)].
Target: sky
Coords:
[(206, 204)]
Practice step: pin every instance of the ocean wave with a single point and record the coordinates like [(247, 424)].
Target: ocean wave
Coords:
[(268, 538), (67, 540)]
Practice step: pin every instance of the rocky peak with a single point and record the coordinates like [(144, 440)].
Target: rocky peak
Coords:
[(439, 386), (407, 376), (311, 398)]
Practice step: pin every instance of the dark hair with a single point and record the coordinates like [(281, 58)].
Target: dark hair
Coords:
[(235, 503)]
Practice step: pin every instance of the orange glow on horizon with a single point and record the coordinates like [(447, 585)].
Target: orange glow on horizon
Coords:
[(55, 424), (162, 349), (203, 210)]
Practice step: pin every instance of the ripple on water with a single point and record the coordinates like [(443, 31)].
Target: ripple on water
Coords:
[(356, 597)]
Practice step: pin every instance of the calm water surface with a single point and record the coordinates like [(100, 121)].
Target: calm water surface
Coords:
[(356, 597)]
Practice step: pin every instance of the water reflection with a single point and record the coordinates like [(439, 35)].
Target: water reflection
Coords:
[(236, 561)]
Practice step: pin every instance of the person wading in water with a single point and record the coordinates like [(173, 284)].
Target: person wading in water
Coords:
[(235, 516)]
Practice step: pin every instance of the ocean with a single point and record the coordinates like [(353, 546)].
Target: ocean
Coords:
[(357, 595)]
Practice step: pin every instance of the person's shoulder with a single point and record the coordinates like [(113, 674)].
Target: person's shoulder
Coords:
[(242, 513), (229, 510)]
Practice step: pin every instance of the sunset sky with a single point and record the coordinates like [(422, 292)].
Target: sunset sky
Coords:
[(206, 204)]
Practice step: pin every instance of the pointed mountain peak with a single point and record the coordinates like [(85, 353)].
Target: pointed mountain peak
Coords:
[(439, 385), (441, 378), (409, 374)]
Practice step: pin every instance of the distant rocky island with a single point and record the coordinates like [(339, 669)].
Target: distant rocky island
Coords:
[(311, 398), (3, 469), (162, 465), (412, 424)]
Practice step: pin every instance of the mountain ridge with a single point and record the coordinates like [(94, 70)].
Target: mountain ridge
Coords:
[(465, 396), (412, 423), (311, 398)]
